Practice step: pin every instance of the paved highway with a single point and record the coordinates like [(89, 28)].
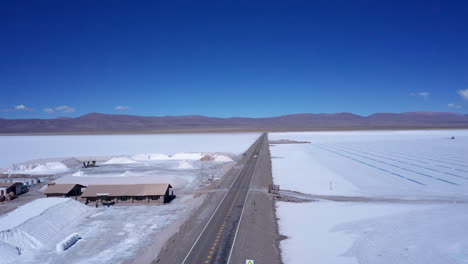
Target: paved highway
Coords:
[(215, 242)]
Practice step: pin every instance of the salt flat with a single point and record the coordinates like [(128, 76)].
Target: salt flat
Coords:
[(108, 234), (394, 163), (17, 149), (411, 165), (383, 233), (115, 234), (181, 174)]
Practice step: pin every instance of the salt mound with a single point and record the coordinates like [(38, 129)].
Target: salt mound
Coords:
[(71, 162), (159, 157), (207, 158), (37, 223), (120, 160), (222, 158), (141, 157), (127, 174), (27, 211), (144, 157), (184, 165), (187, 156), (47, 168), (177, 156), (78, 174)]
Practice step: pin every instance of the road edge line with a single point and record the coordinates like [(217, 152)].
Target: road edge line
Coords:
[(207, 223), (242, 213)]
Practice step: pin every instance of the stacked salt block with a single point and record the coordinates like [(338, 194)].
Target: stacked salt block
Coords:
[(67, 242)]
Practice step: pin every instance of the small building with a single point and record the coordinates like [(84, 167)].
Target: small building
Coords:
[(7, 187), (63, 190), (129, 193)]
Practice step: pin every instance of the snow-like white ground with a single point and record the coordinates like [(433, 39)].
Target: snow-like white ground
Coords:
[(18, 149), (52, 167), (399, 164), (115, 234), (181, 174), (351, 233), (108, 235), (37, 225), (389, 163), (28, 211), (122, 159), (118, 233)]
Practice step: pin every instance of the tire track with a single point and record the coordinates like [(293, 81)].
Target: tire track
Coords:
[(445, 156), (370, 165), (402, 168), (385, 153), (451, 168), (404, 162), (439, 161)]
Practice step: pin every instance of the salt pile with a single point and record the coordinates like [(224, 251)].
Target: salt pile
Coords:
[(47, 168), (187, 156), (145, 157), (120, 160), (184, 165), (128, 174), (37, 223), (222, 158), (78, 173)]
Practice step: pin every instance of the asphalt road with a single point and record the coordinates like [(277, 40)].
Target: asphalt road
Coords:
[(215, 242), (258, 238)]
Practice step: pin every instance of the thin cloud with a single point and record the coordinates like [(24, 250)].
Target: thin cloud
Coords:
[(463, 93), (65, 109), (48, 110), (121, 107), (22, 108), (454, 106), (424, 95)]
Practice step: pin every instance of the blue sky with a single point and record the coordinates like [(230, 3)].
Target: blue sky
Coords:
[(232, 58)]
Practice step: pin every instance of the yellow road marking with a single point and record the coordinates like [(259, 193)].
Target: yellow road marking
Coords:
[(220, 230)]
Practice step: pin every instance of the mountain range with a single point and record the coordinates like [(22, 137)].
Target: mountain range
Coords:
[(109, 123)]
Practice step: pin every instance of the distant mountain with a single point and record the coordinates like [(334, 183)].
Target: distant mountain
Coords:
[(96, 123)]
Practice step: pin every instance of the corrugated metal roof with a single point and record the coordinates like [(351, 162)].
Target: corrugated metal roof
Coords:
[(60, 188), (126, 190)]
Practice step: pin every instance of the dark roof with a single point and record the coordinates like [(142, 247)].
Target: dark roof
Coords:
[(8, 184), (61, 188), (126, 190)]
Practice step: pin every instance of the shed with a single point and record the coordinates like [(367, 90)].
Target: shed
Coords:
[(129, 193), (63, 190), (7, 187)]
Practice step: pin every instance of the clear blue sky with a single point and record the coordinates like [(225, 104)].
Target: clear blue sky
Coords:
[(232, 58)]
